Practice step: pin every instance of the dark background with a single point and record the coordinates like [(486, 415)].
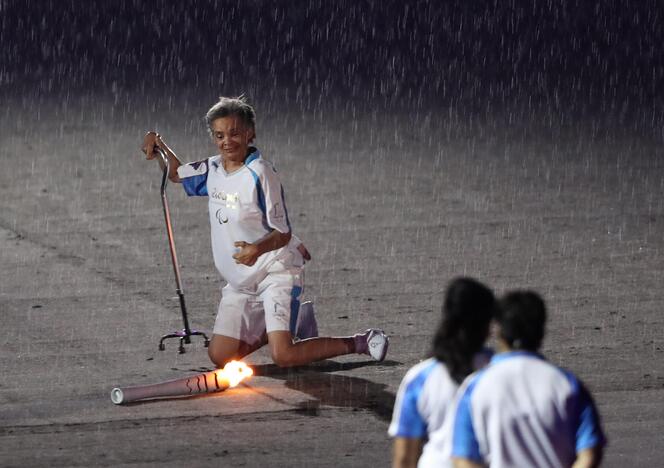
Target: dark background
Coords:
[(557, 60)]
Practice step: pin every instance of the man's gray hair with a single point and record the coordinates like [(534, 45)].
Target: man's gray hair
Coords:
[(232, 106)]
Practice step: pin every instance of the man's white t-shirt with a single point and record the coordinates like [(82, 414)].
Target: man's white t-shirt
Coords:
[(425, 402), (423, 397), (524, 411)]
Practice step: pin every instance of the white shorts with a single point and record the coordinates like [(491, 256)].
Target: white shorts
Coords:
[(246, 315)]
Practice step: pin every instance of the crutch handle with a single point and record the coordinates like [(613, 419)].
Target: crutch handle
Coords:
[(166, 168)]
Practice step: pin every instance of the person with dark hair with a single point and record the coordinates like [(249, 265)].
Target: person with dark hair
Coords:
[(521, 410), (254, 249), (428, 389)]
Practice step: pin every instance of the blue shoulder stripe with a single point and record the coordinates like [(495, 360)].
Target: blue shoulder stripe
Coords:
[(283, 200), (411, 424), (261, 199), (252, 157), (464, 438)]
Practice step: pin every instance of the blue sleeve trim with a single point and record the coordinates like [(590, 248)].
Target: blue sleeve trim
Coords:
[(464, 439), (193, 177), (588, 427), (411, 423), (195, 186)]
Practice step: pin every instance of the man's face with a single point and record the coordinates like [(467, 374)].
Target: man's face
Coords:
[(232, 137)]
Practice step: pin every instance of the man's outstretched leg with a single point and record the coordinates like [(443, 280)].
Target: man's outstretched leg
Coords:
[(292, 330), (303, 348), (286, 353)]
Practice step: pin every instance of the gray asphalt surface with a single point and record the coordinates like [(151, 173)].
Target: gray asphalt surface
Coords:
[(391, 205)]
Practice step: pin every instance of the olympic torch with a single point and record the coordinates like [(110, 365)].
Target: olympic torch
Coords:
[(209, 382)]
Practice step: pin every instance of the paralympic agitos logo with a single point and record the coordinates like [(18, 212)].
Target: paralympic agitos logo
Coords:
[(221, 217)]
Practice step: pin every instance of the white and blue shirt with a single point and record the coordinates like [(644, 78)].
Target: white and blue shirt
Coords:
[(244, 205), (523, 411), (423, 397), (425, 400)]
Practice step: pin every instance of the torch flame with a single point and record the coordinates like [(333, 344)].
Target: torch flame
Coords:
[(234, 372)]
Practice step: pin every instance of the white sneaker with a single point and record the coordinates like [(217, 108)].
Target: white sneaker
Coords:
[(373, 342), (306, 326)]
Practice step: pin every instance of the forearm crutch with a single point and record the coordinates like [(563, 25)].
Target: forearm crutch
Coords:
[(184, 334)]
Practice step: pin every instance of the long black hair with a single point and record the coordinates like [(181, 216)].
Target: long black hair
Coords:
[(467, 312)]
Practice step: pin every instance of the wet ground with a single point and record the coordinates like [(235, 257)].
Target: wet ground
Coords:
[(417, 141), (391, 205)]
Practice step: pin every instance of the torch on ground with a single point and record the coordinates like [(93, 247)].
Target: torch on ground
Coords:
[(208, 382)]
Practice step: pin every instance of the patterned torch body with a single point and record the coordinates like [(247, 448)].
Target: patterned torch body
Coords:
[(208, 382)]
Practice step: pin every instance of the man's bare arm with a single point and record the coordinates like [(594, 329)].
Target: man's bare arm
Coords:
[(152, 140), (249, 253), (406, 452), (465, 463), (588, 458)]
